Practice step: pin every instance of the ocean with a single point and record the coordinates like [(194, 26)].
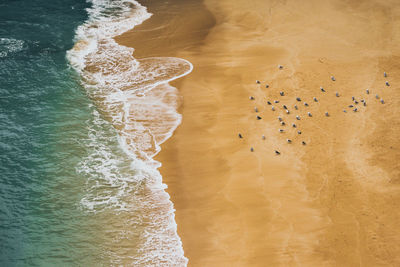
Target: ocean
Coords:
[(81, 120)]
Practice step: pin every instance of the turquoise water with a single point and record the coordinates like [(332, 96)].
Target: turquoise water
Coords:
[(78, 183), (43, 119)]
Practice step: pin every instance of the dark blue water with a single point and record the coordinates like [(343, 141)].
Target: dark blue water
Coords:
[(43, 117)]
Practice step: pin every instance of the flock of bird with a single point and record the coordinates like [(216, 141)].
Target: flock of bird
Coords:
[(353, 107)]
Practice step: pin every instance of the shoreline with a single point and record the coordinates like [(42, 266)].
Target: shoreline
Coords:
[(331, 202)]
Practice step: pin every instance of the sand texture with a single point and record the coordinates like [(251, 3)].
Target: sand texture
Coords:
[(332, 202)]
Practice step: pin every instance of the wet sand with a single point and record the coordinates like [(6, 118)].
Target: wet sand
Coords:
[(333, 202)]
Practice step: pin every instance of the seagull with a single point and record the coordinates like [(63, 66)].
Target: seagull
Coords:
[(384, 74), (333, 78), (256, 109), (279, 118), (304, 143), (289, 141), (298, 99), (273, 109), (365, 104), (269, 103), (315, 99), (277, 152), (322, 89), (280, 67), (327, 114), (263, 137), (294, 125), (377, 96), (240, 135), (295, 107), (284, 106), (267, 86), (383, 102), (305, 104), (353, 98), (387, 83), (258, 81), (283, 123), (344, 111), (337, 94), (298, 117), (299, 132), (281, 131), (259, 118), (309, 114), (287, 111), (282, 93), (367, 91), (251, 97), (276, 101), (355, 110), (252, 149)]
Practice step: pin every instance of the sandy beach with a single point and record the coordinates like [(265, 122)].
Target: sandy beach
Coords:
[(331, 202)]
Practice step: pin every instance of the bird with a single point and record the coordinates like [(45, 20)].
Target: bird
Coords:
[(355, 110), (277, 152), (350, 106), (344, 111), (280, 67), (337, 94), (305, 104), (367, 91), (356, 102), (251, 97), (309, 114), (273, 109), (257, 81), (365, 104), (281, 131), (267, 86), (304, 143), (387, 83), (333, 78), (315, 99), (252, 149), (279, 118), (377, 96), (259, 118), (294, 125), (384, 74), (283, 123), (287, 111), (327, 114), (269, 103), (240, 135), (276, 101), (362, 100), (282, 93), (299, 132), (353, 98), (289, 141), (298, 99), (383, 102), (295, 107), (284, 106), (322, 89), (255, 109), (298, 118), (263, 137)]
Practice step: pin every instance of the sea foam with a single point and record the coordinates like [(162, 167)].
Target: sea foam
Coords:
[(134, 97)]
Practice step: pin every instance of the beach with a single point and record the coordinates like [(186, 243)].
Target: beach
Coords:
[(330, 202)]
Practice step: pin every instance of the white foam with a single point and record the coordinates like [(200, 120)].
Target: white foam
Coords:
[(10, 45), (135, 98)]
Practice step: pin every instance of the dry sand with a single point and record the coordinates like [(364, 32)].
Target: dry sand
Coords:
[(333, 202)]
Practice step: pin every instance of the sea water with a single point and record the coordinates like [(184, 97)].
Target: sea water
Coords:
[(80, 122)]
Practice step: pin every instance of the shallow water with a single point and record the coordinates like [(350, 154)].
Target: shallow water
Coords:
[(78, 182)]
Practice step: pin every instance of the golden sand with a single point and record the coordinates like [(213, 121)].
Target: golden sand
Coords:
[(332, 202)]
